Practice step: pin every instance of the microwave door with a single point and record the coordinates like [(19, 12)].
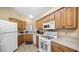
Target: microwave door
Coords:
[(46, 26)]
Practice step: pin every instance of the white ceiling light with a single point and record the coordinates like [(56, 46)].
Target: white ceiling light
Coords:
[(31, 16)]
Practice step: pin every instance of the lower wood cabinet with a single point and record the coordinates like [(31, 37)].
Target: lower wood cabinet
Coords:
[(20, 39), (28, 37), (55, 47), (37, 41)]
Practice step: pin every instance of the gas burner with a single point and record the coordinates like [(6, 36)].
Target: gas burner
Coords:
[(48, 37)]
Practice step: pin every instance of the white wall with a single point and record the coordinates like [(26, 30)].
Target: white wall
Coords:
[(7, 12)]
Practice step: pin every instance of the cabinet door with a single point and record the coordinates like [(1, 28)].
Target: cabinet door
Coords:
[(29, 37), (46, 19), (52, 16), (70, 15), (20, 39), (41, 23), (37, 41), (59, 19), (22, 25), (19, 25), (37, 24)]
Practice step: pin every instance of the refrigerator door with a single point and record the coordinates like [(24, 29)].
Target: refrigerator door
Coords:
[(6, 26), (0, 41), (8, 42)]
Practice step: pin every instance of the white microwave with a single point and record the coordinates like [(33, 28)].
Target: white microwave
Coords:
[(49, 25)]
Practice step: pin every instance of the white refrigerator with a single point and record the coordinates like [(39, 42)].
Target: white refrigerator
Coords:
[(8, 36)]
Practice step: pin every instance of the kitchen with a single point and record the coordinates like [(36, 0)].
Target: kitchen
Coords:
[(53, 29)]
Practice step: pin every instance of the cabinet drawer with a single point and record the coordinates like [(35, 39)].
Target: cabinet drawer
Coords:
[(20, 39)]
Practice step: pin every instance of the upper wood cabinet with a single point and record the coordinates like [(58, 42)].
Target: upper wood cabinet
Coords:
[(39, 24), (49, 18), (45, 19), (70, 16), (59, 19), (21, 24), (64, 18)]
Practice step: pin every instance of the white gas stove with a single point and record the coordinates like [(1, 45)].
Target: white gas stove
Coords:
[(45, 41)]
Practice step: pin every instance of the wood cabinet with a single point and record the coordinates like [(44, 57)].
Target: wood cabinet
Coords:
[(59, 18), (50, 17), (37, 41), (66, 18), (39, 24), (55, 47), (20, 39), (28, 37), (20, 24), (70, 16)]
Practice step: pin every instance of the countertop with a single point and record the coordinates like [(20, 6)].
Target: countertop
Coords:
[(71, 43), (27, 33), (24, 33)]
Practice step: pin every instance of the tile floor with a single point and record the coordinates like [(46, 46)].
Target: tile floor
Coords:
[(27, 48)]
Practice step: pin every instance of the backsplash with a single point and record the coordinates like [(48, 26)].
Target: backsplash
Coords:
[(68, 33)]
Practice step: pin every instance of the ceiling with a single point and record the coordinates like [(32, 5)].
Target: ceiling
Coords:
[(32, 12)]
